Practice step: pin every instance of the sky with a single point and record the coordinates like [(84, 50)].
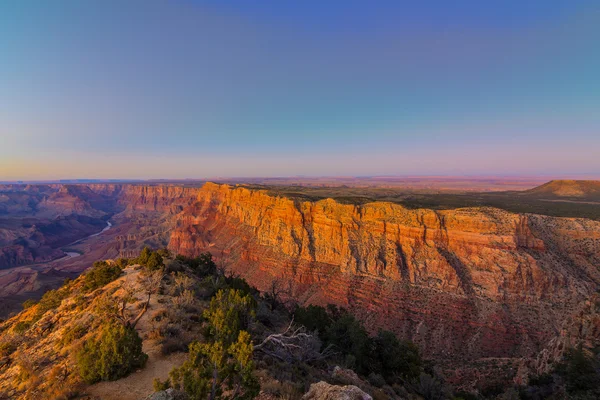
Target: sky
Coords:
[(141, 89)]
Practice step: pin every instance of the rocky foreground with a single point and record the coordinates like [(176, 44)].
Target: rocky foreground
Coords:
[(122, 331)]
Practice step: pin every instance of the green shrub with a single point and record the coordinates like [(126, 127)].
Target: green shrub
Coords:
[(240, 284), (383, 354), (159, 385), (430, 387), (155, 262), (580, 371), (29, 303), (396, 358), (51, 300), (376, 380), (124, 262), (229, 312), (7, 347), (226, 366), (165, 253), (203, 265), (73, 333), (116, 353), (22, 326), (225, 362), (152, 260), (145, 254), (350, 337), (171, 345), (314, 318), (100, 274)]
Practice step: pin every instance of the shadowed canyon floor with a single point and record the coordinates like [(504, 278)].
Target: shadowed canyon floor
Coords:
[(480, 289)]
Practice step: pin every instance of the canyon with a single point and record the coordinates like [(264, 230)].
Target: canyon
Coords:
[(484, 292)]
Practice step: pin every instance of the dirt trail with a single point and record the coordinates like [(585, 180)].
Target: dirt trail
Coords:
[(138, 385)]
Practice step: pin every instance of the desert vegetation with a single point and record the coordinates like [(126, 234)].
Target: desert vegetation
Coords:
[(115, 353)]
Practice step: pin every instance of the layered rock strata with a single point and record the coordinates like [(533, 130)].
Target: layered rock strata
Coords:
[(465, 284)]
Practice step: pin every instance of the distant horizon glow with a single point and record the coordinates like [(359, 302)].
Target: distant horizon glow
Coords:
[(192, 89)]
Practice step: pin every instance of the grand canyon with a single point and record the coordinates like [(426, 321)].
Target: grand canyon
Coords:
[(487, 293), (299, 200)]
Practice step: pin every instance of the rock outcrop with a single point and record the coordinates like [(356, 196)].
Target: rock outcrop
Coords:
[(169, 394), (325, 391), (162, 198)]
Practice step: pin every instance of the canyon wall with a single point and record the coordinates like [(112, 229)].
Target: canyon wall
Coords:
[(137, 197), (36, 220), (465, 284)]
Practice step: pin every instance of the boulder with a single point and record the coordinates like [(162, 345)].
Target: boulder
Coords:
[(347, 377), (169, 394), (325, 391)]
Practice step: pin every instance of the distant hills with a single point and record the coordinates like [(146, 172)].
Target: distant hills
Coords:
[(580, 189)]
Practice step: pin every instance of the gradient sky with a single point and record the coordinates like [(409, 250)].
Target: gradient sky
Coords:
[(197, 89)]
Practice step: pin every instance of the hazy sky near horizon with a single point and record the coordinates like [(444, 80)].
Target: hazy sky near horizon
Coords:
[(197, 89)]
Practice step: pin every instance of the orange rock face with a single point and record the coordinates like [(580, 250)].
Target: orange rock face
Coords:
[(464, 284)]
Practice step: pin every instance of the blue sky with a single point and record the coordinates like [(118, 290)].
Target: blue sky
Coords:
[(195, 89)]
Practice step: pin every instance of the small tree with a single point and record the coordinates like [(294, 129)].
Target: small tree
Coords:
[(242, 379), (29, 303), (100, 274), (117, 307), (580, 371), (294, 346), (314, 318), (276, 292), (229, 312), (223, 367), (155, 262), (116, 353), (144, 256), (349, 337), (395, 358), (203, 265), (123, 262)]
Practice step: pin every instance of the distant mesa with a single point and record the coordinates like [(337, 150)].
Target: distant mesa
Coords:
[(568, 188)]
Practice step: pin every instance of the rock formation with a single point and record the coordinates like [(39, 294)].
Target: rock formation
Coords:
[(478, 289), (465, 284), (325, 391)]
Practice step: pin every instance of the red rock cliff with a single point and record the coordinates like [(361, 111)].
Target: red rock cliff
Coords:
[(465, 284), (140, 197)]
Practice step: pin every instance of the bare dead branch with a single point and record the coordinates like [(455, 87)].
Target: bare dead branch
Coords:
[(294, 345)]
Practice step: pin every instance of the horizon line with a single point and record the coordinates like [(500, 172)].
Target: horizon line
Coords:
[(578, 176)]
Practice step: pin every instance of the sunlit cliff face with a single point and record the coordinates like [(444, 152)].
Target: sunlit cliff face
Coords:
[(441, 278)]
